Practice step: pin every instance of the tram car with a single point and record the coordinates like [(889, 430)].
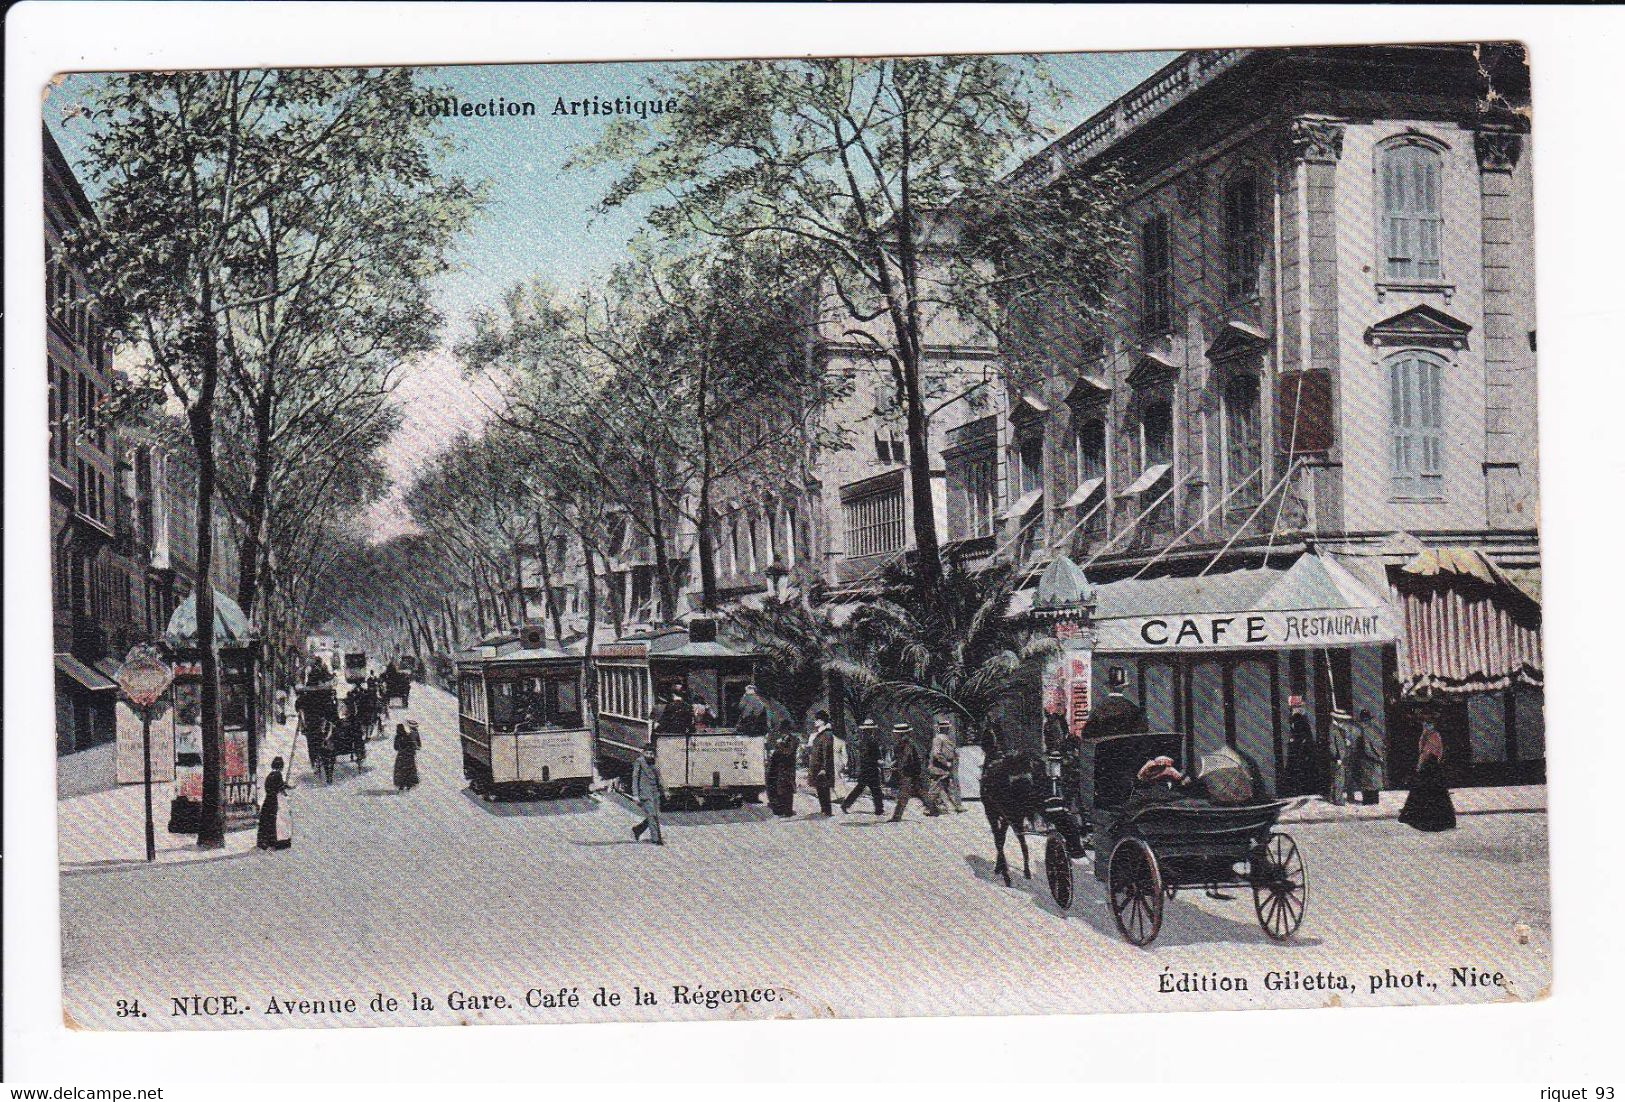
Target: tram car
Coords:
[(713, 763), (520, 716)]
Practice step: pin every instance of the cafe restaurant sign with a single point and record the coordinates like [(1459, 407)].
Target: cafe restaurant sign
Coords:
[(1271, 630)]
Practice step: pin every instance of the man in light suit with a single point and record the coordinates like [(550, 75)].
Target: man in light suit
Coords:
[(646, 791)]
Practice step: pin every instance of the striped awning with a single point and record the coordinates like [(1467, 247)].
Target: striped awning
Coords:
[(1467, 626)]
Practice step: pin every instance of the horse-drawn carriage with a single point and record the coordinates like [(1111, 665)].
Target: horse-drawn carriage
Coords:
[(1150, 830), (331, 728), (1150, 837), (396, 684)]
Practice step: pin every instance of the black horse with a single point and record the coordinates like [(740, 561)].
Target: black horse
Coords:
[(1014, 790)]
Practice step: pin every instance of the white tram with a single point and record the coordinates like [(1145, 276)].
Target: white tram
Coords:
[(710, 762), (522, 720)]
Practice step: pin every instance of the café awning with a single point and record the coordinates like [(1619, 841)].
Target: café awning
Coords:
[(1313, 603), (1468, 626)]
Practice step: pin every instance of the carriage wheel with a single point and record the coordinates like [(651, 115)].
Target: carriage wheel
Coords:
[(1280, 886), (1135, 883), (1058, 867)]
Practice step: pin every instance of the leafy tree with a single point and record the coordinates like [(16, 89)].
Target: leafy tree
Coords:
[(886, 176), (239, 213)]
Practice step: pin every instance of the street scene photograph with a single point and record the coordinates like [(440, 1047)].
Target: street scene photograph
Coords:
[(819, 538)]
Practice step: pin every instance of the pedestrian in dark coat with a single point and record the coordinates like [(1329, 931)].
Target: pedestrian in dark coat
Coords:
[(407, 744), (867, 752), (910, 767), (1429, 807), (781, 774), (1299, 778), (1116, 714), (676, 716), (276, 821), (646, 791), (1370, 759), (821, 763)]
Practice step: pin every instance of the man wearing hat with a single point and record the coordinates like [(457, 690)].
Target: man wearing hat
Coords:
[(944, 768), (867, 753), (1116, 714), (1339, 743), (910, 767)]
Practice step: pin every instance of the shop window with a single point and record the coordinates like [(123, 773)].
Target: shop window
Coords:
[(1243, 443), (1416, 425), (1242, 238), (1155, 276), (1412, 222)]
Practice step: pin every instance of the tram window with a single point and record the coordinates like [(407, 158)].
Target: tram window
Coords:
[(564, 703), (733, 691)]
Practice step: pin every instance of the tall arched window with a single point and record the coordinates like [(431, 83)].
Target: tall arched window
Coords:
[(1416, 424), (1412, 223)]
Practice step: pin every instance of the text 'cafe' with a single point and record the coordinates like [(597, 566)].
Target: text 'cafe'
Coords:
[(1219, 657)]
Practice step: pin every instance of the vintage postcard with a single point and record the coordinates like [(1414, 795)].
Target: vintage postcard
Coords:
[(843, 537)]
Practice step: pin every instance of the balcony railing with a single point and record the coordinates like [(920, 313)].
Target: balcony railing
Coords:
[(1150, 98)]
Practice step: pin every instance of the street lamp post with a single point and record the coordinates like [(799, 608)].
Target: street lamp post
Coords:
[(144, 677)]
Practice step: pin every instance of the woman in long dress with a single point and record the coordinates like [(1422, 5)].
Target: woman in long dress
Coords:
[(407, 744), (276, 824), (1428, 807)]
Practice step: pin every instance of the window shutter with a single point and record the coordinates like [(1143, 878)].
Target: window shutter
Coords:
[(1309, 394)]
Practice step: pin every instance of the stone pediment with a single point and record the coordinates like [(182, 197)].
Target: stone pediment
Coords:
[(1236, 339), (1088, 390), (1152, 368), (1027, 409), (1419, 327)]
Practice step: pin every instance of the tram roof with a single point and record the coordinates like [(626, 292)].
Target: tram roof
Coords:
[(510, 651), (672, 642)]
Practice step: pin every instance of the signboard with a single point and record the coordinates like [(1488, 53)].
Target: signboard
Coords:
[(1068, 677), (127, 752), (1246, 631)]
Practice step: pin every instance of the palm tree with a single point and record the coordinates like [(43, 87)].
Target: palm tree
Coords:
[(948, 648), (798, 643)]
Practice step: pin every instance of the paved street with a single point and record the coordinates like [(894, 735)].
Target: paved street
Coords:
[(437, 891)]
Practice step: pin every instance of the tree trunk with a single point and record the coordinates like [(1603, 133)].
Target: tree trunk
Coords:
[(521, 608), (590, 560), (547, 583), (258, 517), (708, 561), (212, 817), (927, 552), (657, 533)]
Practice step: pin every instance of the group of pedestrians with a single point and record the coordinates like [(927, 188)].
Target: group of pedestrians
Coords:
[(1349, 765)]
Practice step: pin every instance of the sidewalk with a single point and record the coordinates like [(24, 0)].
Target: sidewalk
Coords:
[(102, 828), (1468, 801)]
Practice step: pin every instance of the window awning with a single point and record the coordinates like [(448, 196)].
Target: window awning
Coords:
[(1148, 478), (1468, 626), (87, 678), (1022, 505), (1086, 490)]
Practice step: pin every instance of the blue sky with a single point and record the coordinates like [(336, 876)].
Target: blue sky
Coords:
[(540, 220)]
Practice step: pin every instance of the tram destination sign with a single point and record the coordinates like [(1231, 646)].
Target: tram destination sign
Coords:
[(1210, 631)]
